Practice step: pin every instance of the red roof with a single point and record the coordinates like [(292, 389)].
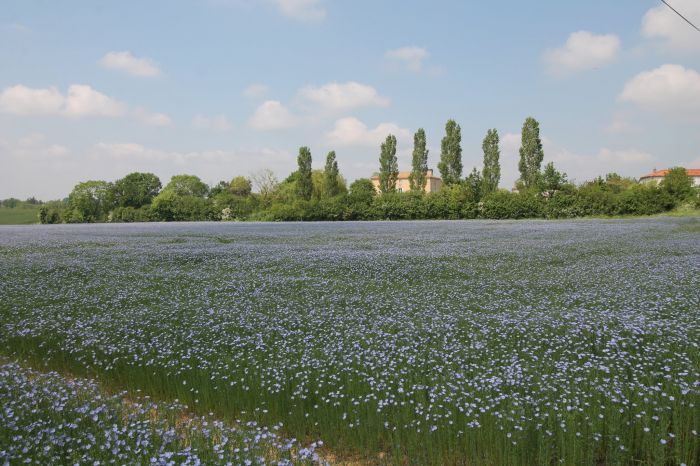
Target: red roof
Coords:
[(664, 172)]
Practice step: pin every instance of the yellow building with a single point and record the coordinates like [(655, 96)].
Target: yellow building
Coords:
[(403, 185)]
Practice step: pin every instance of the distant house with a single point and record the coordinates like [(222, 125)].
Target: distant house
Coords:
[(657, 175), (403, 185)]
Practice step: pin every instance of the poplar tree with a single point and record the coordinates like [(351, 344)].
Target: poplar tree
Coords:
[(450, 165), (303, 182), (330, 175), (531, 153), (388, 165), (418, 177), (491, 174)]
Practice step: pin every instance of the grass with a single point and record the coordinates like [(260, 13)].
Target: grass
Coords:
[(21, 215), (405, 343)]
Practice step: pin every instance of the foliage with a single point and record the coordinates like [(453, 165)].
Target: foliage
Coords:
[(308, 194), (265, 183), (218, 188), (330, 176), (131, 214), (419, 162), (475, 185), (388, 165), (506, 205), (678, 184), (89, 202), (52, 212), (135, 189), (551, 179), (187, 185), (450, 164), (617, 183), (642, 199), (531, 153), (491, 172), (239, 207), (10, 203), (169, 206), (241, 186), (398, 206), (304, 184)]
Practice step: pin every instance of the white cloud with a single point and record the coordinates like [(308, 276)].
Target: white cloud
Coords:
[(215, 122), (23, 100), (151, 118), (255, 90), (80, 101), (272, 115), (670, 89), (344, 96), (126, 62), (352, 132), (412, 57), (582, 51), (676, 35), (83, 101), (305, 10)]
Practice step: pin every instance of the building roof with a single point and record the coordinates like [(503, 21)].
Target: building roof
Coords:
[(664, 172)]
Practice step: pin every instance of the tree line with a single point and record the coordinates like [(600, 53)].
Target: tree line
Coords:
[(308, 194)]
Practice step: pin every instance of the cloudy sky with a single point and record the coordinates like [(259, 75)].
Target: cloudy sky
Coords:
[(219, 88)]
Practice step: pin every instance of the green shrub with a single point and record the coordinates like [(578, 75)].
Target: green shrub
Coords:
[(643, 199), (131, 214), (507, 205), (398, 206)]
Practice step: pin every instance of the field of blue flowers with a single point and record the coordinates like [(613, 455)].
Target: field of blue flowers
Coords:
[(497, 343)]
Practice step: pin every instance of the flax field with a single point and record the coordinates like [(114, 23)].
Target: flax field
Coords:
[(476, 342)]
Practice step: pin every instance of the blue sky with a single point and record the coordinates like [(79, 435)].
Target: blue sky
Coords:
[(220, 88)]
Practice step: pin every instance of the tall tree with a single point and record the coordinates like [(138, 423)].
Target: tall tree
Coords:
[(491, 175), (552, 180), (531, 153), (450, 165), (330, 176), (388, 165), (304, 183), (90, 201), (678, 183), (187, 185), (135, 189), (240, 186), (419, 164), (265, 183)]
